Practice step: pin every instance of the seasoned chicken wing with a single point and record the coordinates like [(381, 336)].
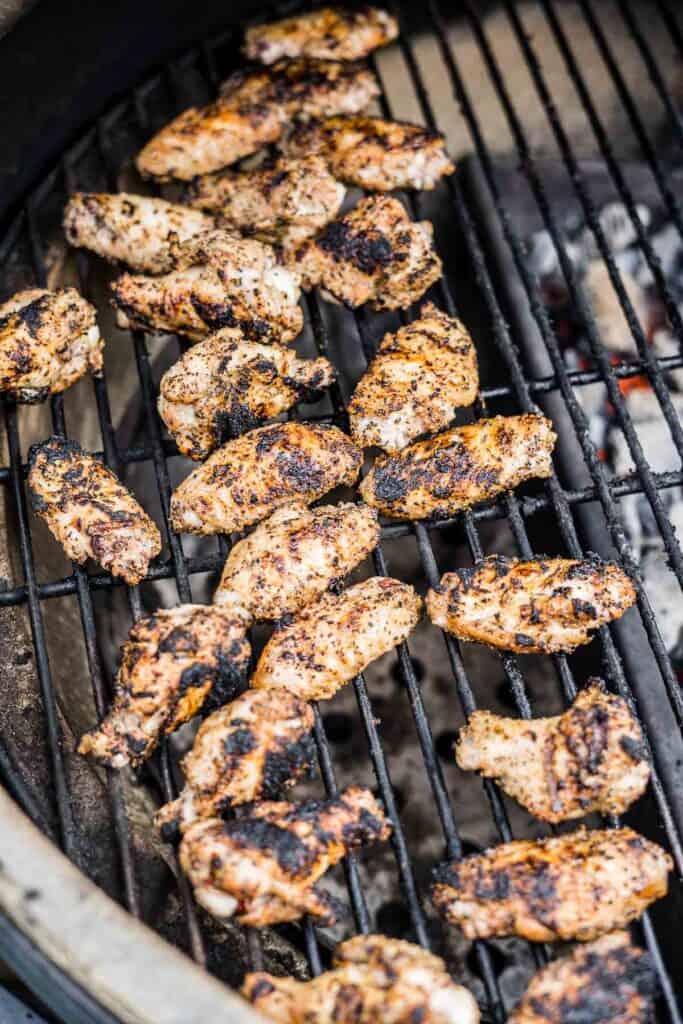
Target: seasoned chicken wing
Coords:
[(253, 109), (461, 467), (251, 749), (331, 641), (419, 376), (264, 866), (542, 606), (608, 981), (375, 980), (575, 886), (374, 254), (225, 385), (220, 280), (591, 758), (334, 33), (89, 511), (250, 477), (374, 153), (48, 341), (136, 230)]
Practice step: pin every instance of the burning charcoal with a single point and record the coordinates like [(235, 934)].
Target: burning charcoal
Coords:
[(618, 227), (665, 344), (662, 586), (610, 319)]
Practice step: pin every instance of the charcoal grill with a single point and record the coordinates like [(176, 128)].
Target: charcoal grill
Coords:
[(88, 958)]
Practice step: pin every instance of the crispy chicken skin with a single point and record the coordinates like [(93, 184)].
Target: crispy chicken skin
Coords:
[(537, 607), (461, 467), (576, 886), (374, 254), (294, 556), (375, 980), (48, 341), (331, 641), (331, 33), (135, 230), (225, 385), (374, 153), (89, 511), (609, 981), (591, 758), (220, 280), (172, 662), (250, 477), (253, 109), (263, 867), (419, 376), (252, 749)]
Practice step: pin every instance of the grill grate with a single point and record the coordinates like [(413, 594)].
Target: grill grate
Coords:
[(211, 62)]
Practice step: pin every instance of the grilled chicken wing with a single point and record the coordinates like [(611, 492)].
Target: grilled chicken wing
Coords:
[(252, 749), (591, 758), (374, 254), (416, 381), (170, 664), (542, 606), (253, 110), (294, 556), (332, 33), (375, 980), (136, 230), (576, 886), (461, 467), (89, 511), (220, 280), (331, 641), (608, 981), (264, 867), (250, 477), (373, 153), (225, 385), (48, 341)]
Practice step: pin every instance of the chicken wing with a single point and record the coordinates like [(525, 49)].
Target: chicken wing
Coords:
[(220, 280), (250, 477), (331, 641), (252, 749), (225, 385), (89, 511), (294, 556), (420, 375), (330, 33), (136, 230), (253, 109), (264, 866), (591, 758), (461, 467), (171, 663), (374, 254), (575, 886), (48, 341), (374, 153), (542, 606), (375, 980), (608, 981)]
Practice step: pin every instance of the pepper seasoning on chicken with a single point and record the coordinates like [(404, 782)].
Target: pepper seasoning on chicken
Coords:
[(334, 33)]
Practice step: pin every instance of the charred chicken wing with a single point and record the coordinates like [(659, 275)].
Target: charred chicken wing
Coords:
[(333, 33), (264, 866), (542, 606), (331, 641), (252, 749), (170, 664), (250, 477), (420, 375), (89, 511), (48, 341), (576, 886), (461, 467)]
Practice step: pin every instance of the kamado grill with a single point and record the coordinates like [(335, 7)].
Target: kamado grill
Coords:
[(542, 94)]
